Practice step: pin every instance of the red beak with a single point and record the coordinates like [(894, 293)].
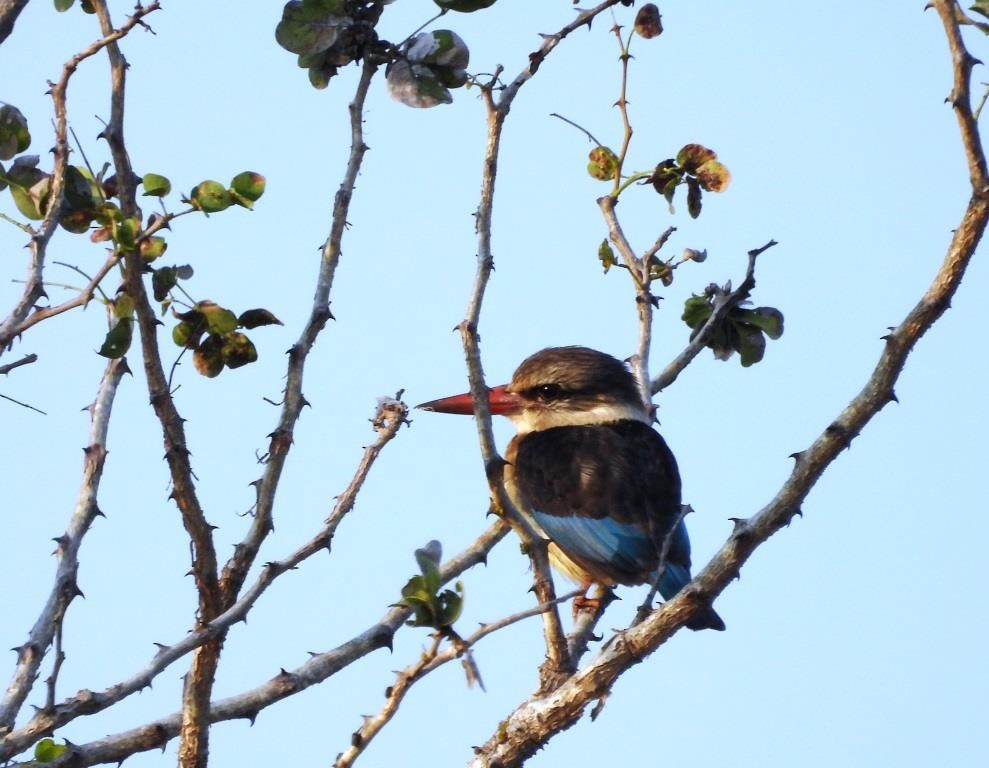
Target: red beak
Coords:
[(500, 403)]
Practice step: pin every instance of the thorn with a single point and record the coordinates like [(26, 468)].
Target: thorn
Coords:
[(797, 456), (384, 639), (893, 398), (596, 710)]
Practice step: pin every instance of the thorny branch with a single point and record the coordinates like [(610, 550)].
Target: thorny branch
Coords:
[(558, 663), (199, 679), (248, 705), (431, 659), (65, 589), (536, 720), (390, 416), (236, 568)]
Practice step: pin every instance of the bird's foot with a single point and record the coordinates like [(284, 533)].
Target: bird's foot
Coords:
[(583, 603)]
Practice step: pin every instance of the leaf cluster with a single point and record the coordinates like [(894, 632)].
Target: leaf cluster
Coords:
[(430, 607), (329, 34), (695, 166), (211, 332), (742, 330)]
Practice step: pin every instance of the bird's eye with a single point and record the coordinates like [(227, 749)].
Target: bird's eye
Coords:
[(547, 392)]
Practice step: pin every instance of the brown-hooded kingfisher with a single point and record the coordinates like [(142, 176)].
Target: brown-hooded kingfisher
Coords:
[(590, 473)]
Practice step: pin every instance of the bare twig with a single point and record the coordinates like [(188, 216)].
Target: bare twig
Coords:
[(590, 136), (26, 360), (23, 405)]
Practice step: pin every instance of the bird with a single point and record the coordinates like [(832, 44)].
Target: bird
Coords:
[(590, 473)]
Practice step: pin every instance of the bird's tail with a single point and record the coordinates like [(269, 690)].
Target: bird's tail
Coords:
[(675, 577)]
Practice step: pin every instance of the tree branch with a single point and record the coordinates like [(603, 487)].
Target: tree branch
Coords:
[(725, 300), (236, 568), (536, 720), (431, 659), (65, 589), (248, 705), (557, 663), (390, 416)]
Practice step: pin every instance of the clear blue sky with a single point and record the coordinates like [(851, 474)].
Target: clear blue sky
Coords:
[(855, 637)]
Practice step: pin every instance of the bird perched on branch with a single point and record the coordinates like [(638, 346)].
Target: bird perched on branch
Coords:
[(590, 473)]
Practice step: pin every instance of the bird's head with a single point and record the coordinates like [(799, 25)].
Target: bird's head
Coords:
[(557, 387)]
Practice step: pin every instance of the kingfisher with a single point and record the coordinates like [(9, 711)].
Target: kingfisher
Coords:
[(590, 473)]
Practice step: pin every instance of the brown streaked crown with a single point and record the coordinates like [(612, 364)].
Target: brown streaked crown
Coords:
[(575, 380)]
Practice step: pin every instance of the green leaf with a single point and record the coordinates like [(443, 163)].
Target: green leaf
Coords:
[(123, 306), (63, 5), (118, 339), (237, 350), (125, 233), (981, 7), (696, 311), (156, 185), (75, 222), (451, 606), (246, 188), (151, 248), (750, 343), (254, 318), (693, 197), (607, 256), (310, 26), (80, 189), (416, 85), (767, 319), (665, 177), (188, 333), (14, 134), (602, 164), (207, 358), (320, 74), (210, 197), (46, 750), (29, 186), (713, 176), (218, 319), (162, 281), (444, 52)]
